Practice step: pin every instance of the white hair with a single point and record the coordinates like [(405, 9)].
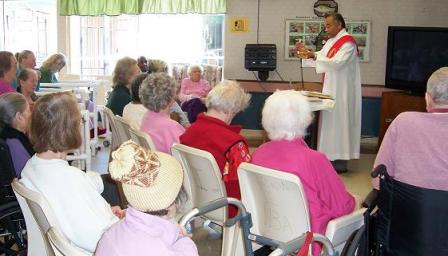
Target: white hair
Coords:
[(194, 67), (286, 115), (227, 97), (437, 86)]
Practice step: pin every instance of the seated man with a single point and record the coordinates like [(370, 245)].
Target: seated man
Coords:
[(415, 147)]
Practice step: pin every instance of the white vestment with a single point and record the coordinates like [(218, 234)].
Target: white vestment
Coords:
[(340, 127)]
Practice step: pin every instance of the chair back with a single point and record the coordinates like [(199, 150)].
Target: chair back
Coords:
[(276, 201), (204, 177), (61, 245), (123, 127), (142, 138), (116, 139), (39, 218)]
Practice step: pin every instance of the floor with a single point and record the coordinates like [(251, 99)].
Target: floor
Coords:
[(357, 181)]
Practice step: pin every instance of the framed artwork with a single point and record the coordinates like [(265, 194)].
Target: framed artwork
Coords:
[(307, 31)]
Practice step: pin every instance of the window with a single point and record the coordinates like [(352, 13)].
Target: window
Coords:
[(101, 41), (29, 25)]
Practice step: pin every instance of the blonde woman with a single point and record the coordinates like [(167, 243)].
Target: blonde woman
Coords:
[(51, 66), (125, 71)]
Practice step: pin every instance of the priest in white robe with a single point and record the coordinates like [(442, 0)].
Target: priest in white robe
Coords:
[(338, 62)]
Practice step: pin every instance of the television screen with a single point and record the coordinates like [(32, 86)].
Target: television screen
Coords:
[(413, 54)]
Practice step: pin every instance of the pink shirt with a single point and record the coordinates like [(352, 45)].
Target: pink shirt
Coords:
[(190, 90), (143, 234), (163, 130), (5, 87), (326, 194), (415, 149)]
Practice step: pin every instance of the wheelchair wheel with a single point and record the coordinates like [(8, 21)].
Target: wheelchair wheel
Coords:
[(12, 230)]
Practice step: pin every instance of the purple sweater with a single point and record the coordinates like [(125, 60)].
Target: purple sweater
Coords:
[(143, 234), (415, 149), (5, 87)]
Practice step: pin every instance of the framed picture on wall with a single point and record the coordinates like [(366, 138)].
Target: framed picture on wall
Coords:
[(307, 31)]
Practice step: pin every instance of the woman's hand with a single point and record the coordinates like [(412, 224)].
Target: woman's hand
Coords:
[(117, 211)]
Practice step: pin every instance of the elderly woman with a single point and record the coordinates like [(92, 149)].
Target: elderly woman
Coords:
[(154, 191), (193, 91), (157, 95), (27, 84), (25, 59), (212, 132), (73, 195), (288, 152), (51, 66), (14, 123), (414, 149), (125, 71), (134, 111), (8, 67)]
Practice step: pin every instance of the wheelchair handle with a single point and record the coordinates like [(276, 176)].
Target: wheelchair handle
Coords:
[(296, 243), (379, 170)]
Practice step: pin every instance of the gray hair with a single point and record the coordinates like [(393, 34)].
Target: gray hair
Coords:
[(157, 91), (227, 97), (11, 104), (286, 115), (437, 86), (194, 67)]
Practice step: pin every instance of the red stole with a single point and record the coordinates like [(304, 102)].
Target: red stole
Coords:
[(336, 46)]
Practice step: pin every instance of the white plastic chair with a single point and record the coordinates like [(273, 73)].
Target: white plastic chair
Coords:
[(123, 127), (279, 209), (142, 138), (61, 245), (203, 182), (38, 218), (116, 140)]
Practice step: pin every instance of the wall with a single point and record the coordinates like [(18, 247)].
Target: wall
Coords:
[(381, 13)]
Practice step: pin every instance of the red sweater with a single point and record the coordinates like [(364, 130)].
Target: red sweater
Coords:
[(221, 140)]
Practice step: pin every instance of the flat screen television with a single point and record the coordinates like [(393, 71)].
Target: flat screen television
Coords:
[(413, 54)]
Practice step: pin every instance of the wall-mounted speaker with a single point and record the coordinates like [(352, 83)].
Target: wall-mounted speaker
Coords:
[(260, 57)]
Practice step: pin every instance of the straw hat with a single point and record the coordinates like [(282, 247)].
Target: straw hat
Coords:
[(151, 180)]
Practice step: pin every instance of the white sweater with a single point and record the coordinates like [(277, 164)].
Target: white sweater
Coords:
[(74, 196)]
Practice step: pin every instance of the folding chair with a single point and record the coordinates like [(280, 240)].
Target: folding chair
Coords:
[(279, 207), (142, 138), (203, 182), (123, 127), (61, 245), (38, 218)]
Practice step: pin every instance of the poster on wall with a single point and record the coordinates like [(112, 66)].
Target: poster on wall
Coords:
[(307, 31)]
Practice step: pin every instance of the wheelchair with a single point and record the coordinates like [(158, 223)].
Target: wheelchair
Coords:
[(401, 219), (12, 224)]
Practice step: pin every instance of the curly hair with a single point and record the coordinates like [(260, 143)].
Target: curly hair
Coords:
[(157, 91)]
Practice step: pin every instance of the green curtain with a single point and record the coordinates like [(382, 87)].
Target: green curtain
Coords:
[(98, 7), (183, 6), (117, 7)]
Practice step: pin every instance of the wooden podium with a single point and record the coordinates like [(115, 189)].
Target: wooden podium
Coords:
[(393, 103)]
